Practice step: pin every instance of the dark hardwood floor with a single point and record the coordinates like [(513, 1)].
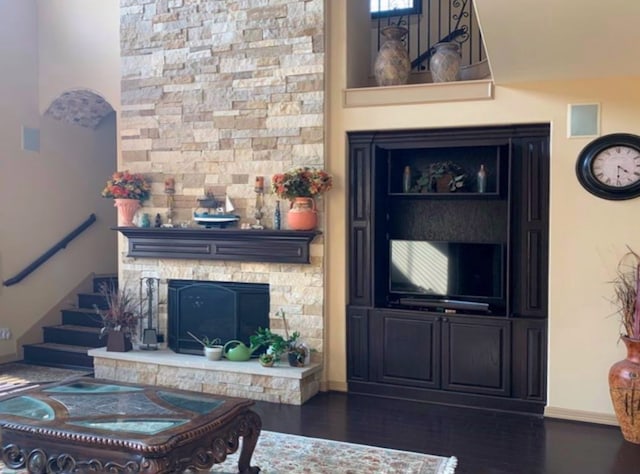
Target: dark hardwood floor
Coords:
[(485, 442)]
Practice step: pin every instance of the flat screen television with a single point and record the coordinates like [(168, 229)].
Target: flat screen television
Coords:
[(449, 275)]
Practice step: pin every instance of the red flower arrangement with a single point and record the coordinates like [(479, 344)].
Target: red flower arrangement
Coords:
[(127, 185), (301, 182)]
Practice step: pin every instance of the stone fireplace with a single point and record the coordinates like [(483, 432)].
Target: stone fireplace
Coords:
[(214, 95)]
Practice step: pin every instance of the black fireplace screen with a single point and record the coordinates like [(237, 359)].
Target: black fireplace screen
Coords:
[(221, 310)]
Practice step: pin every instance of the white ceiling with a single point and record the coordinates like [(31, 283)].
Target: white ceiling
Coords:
[(537, 40)]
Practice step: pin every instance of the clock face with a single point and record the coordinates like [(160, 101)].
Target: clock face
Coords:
[(609, 166), (617, 166)]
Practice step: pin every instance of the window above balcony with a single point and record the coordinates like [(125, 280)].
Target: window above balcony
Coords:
[(387, 8)]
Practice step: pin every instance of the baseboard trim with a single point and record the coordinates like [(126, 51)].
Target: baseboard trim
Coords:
[(7, 359), (337, 386), (580, 415)]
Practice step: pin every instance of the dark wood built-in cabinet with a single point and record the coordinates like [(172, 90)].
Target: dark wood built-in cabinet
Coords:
[(488, 347)]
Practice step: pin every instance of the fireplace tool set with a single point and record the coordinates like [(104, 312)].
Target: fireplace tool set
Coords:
[(149, 290)]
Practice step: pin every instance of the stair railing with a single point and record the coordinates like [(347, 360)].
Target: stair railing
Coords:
[(50, 253)]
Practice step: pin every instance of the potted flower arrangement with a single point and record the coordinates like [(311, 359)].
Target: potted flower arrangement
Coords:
[(120, 319), (300, 186), (127, 190), (623, 375)]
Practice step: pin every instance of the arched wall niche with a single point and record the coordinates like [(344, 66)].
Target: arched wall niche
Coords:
[(82, 107)]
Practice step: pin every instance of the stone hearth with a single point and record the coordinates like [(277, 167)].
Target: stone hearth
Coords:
[(282, 384)]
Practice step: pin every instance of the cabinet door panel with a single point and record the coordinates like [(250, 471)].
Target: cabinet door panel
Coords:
[(529, 359), (360, 202), (530, 227), (407, 349), (357, 344), (476, 356)]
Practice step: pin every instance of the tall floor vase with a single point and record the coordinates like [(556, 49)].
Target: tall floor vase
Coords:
[(624, 387), (302, 215), (126, 211)]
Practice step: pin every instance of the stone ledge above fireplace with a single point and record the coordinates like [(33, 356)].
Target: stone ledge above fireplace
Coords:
[(274, 246), (282, 384)]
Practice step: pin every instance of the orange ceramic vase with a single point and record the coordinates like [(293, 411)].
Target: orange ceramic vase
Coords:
[(302, 214), (126, 210), (624, 387)]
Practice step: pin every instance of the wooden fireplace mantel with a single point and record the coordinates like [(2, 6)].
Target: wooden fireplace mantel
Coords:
[(275, 246)]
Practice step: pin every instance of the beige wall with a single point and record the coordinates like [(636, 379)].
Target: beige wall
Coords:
[(587, 235), (45, 194), (79, 47)]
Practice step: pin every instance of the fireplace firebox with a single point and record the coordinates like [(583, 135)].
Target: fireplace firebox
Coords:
[(223, 310)]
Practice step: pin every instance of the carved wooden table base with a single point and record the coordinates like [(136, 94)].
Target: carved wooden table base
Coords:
[(148, 430)]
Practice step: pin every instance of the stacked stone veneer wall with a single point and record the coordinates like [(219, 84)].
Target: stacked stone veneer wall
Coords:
[(215, 93)]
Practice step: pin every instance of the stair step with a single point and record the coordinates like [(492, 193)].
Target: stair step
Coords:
[(58, 355), (90, 300), (74, 335), (66, 344), (111, 280), (81, 317)]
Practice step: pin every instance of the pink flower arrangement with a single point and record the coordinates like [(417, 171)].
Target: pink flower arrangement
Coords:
[(127, 185), (301, 182)]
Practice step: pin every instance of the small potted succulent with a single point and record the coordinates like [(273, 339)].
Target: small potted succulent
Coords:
[(212, 347), (273, 344), (267, 359)]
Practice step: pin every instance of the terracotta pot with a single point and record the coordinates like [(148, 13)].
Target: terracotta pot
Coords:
[(392, 64), (624, 387), (126, 210), (302, 214), (117, 341)]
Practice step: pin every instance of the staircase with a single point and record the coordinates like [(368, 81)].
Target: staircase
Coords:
[(66, 345)]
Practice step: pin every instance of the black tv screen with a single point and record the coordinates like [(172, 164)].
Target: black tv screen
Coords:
[(452, 270)]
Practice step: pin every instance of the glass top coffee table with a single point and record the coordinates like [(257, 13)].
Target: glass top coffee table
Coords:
[(91, 425)]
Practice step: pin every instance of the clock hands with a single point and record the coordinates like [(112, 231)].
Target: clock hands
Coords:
[(626, 171)]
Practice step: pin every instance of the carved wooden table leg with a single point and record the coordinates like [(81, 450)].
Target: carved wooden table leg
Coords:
[(250, 434)]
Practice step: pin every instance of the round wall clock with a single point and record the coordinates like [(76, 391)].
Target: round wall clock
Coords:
[(609, 166)]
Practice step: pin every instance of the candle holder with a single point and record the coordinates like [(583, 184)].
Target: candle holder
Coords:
[(258, 212), (169, 208), (169, 190)]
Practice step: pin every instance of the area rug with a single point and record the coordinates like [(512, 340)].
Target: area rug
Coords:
[(278, 453), (17, 376)]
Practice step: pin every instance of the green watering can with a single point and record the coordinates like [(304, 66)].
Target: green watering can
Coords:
[(238, 351)]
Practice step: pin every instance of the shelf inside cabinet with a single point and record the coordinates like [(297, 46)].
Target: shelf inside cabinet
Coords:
[(450, 171), (452, 195)]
